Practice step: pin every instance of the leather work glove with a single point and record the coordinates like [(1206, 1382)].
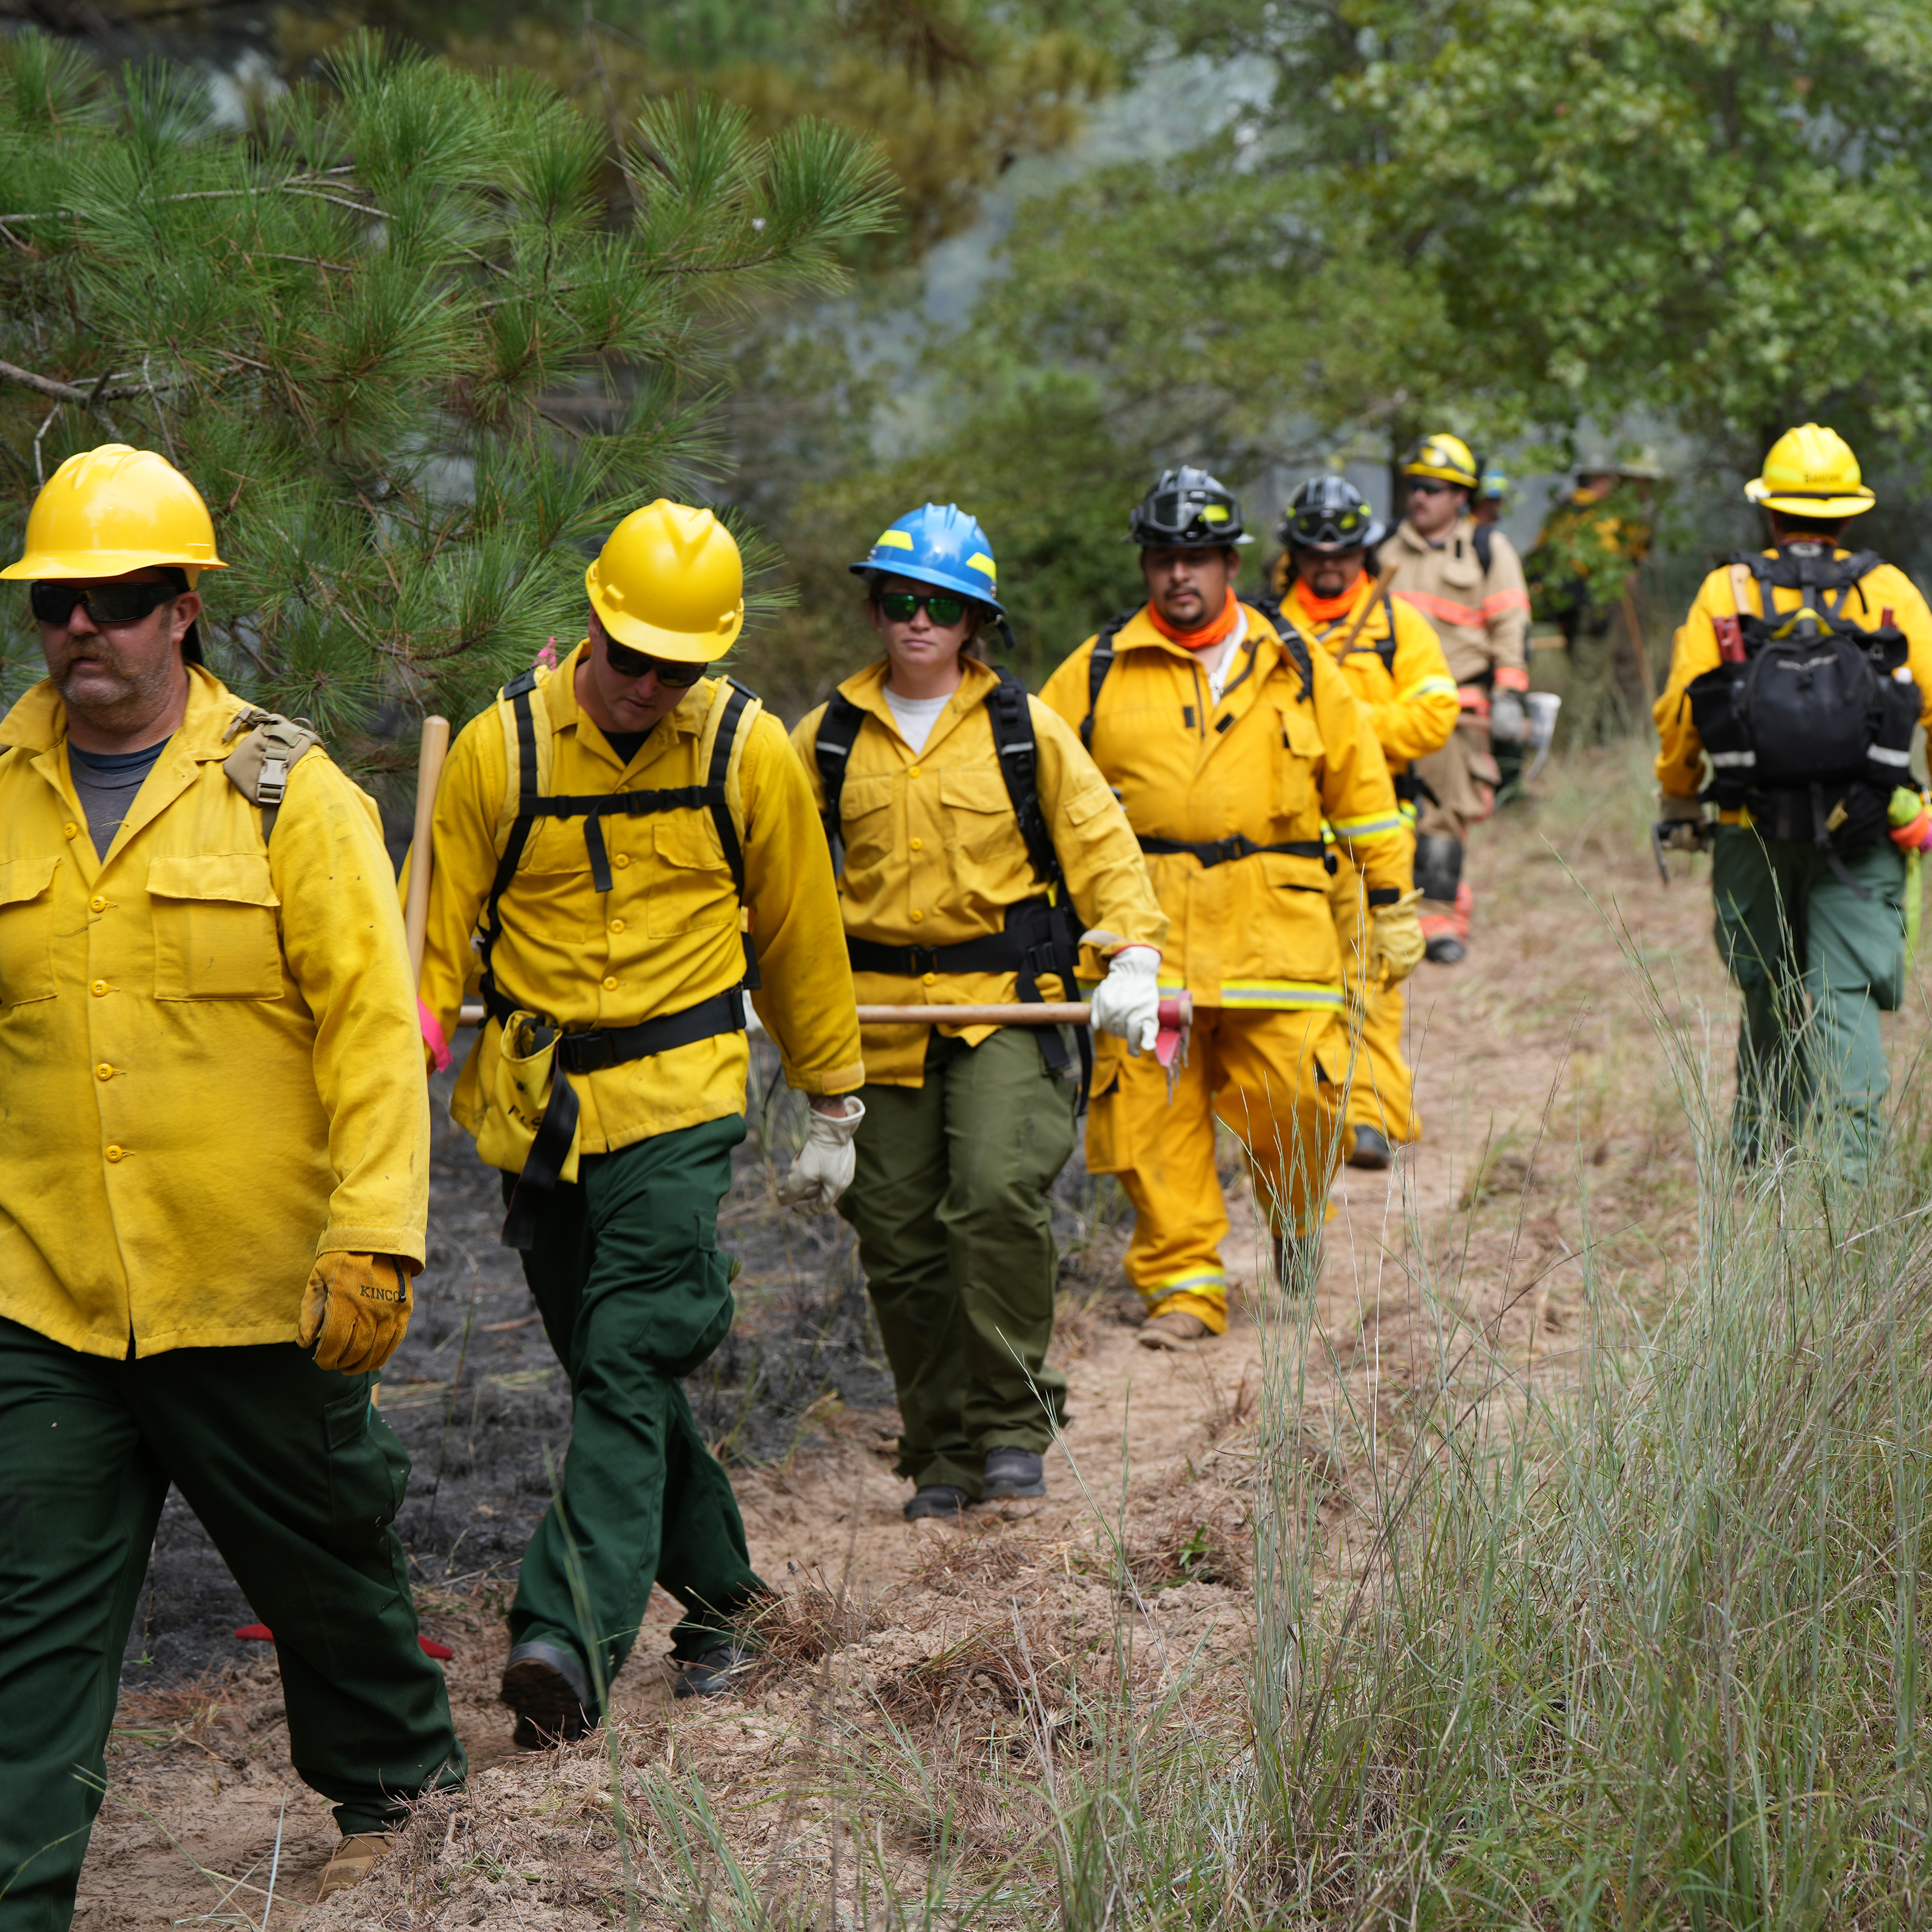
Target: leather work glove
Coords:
[(1126, 1002), (1681, 824), (824, 1169), (355, 1311), (1395, 943)]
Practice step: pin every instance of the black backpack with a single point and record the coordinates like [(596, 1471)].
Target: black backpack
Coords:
[(1812, 730), (1042, 934)]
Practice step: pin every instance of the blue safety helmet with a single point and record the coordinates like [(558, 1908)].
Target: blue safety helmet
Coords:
[(939, 545)]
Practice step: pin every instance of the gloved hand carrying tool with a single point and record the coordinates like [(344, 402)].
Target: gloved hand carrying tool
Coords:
[(1682, 827), (1395, 943), (1127, 1003), (1170, 1046), (1910, 820), (355, 1311), (823, 1169)]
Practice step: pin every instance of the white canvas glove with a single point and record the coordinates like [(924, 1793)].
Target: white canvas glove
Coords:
[(822, 1171), (1126, 1002)]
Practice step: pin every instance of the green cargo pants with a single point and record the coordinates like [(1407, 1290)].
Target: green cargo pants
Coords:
[(950, 1205), (633, 1295), (296, 1478), (1816, 965)]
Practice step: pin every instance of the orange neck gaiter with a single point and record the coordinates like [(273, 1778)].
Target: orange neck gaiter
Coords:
[(1213, 632), (1327, 610)]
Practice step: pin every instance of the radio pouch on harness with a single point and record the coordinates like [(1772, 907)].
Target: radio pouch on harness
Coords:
[(1810, 732)]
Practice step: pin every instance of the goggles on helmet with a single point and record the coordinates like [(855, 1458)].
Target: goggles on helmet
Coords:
[(1326, 526)]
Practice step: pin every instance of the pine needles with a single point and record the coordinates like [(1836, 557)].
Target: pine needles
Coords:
[(419, 335)]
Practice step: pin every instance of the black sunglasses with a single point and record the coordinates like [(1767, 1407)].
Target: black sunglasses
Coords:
[(673, 676), (1425, 486), (53, 599), (900, 607)]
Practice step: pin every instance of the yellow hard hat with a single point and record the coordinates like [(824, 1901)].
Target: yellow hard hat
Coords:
[(1811, 471), (670, 583), (114, 509), (1444, 456)]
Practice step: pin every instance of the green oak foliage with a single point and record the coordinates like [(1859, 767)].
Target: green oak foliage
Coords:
[(413, 356), (1721, 213)]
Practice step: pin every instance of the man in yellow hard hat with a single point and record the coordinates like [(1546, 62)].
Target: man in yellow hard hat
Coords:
[(1798, 676), (624, 847), (1466, 579), (213, 1149), (1231, 744)]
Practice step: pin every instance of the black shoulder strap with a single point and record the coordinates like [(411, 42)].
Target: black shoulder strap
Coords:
[(1098, 666), (1011, 712), (721, 745), (517, 691), (1292, 639), (1385, 650), (831, 752), (1486, 545)]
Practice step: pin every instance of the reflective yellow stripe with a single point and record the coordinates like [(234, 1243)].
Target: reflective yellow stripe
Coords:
[(1281, 995), (1357, 829), (1194, 1279), (1445, 684)]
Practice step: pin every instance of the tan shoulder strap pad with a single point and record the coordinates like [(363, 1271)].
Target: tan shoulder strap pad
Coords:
[(259, 767), (1741, 582)]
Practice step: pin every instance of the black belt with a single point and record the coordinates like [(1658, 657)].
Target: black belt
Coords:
[(996, 953), (591, 1051), (1223, 851)]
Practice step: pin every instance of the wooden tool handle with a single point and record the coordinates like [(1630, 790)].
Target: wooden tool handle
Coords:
[(1361, 617), (429, 776)]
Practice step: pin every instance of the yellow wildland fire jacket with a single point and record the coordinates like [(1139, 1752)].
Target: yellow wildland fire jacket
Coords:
[(1398, 673), (1248, 782), (208, 1044), (1680, 755), (934, 856), (669, 933)]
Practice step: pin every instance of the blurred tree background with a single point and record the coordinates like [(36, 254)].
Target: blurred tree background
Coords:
[(1270, 235)]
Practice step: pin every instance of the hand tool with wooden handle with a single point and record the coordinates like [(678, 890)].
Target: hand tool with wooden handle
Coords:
[(416, 908)]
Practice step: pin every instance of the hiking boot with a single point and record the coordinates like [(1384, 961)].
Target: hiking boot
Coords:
[(356, 1857), (715, 1672), (1012, 1472), (544, 1685), (1175, 1329), (1371, 1151), (1297, 1262), (941, 1499), (1446, 949)]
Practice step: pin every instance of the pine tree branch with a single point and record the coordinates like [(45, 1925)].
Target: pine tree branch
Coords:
[(65, 392)]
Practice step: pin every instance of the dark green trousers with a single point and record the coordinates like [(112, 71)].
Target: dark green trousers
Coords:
[(296, 1478), (633, 1295), (1816, 965), (950, 1205)]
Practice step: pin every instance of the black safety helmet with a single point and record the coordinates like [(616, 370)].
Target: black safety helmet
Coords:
[(1186, 509), (1328, 513)]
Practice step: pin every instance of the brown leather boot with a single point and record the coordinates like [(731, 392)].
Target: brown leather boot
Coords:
[(1175, 1329), (356, 1857)]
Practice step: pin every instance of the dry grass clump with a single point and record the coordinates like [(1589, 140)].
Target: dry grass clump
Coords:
[(808, 1623), (969, 1564), (1193, 1546)]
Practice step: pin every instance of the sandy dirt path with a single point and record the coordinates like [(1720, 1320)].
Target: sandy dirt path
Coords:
[(1555, 1142)]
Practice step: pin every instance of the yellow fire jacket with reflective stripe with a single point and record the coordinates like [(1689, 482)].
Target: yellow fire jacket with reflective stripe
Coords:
[(1680, 757), (1268, 764), (933, 854), (1409, 701), (1482, 617), (209, 1055), (665, 937)]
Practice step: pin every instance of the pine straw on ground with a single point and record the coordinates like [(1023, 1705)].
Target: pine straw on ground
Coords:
[(924, 1726)]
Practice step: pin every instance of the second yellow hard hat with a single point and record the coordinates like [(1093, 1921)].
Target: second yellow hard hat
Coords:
[(114, 509), (1810, 472), (1444, 456), (669, 582)]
